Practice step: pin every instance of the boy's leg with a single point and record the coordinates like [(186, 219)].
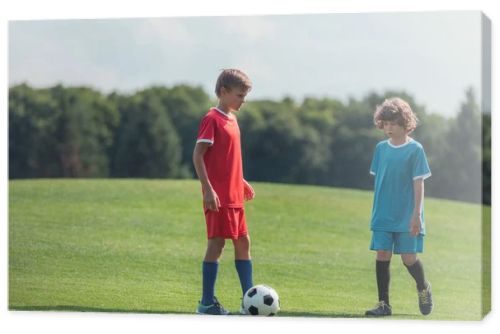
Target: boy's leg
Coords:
[(210, 268), (382, 267), (243, 262), (382, 243), (416, 269), (409, 247), (383, 275)]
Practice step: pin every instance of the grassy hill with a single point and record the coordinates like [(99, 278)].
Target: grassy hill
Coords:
[(137, 246)]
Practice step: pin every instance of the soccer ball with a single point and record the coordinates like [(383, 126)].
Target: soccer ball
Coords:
[(261, 300)]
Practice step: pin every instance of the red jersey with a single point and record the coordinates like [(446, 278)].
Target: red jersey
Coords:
[(223, 158)]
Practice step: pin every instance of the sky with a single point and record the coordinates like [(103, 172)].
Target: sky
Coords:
[(434, 56)]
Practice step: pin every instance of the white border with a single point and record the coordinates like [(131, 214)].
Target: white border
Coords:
[(59, 322)]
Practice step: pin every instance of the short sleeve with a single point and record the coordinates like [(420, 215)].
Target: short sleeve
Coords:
[(421, 168), (375, 159), (206, 131)]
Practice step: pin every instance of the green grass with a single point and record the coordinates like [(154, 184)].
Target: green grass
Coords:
[(137, 246)]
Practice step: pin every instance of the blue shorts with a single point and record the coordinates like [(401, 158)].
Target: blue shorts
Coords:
[(397, 242)]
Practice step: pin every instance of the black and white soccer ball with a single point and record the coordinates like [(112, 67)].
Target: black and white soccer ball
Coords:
[(261, 300)]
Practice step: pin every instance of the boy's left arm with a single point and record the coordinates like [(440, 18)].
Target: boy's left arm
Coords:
[(249, 193), (416, 218)]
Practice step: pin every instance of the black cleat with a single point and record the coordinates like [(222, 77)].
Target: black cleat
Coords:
[(425, 300), (380, 310)]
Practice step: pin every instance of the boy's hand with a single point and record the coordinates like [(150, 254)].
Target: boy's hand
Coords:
[(248, 193), (415, 225), (211, 200)]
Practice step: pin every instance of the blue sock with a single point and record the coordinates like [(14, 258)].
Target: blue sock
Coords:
[(209, 277), (244, 268)]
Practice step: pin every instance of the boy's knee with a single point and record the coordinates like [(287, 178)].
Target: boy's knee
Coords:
[(242, 248), (220, 245), (215, 247), (242, 243), (383, 255), (245, 240), (409, 259)]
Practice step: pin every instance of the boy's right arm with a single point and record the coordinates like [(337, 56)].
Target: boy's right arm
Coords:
[(210, 198)]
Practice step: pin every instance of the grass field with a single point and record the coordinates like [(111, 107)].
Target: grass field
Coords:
[(137, 246)]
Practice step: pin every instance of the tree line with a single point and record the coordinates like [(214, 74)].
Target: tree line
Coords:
[(80, 132)]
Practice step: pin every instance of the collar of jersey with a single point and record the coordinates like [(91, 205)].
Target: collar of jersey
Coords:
[(399, 146), (228, 115)]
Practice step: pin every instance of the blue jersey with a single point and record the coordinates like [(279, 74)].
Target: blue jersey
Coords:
[(395, 168)]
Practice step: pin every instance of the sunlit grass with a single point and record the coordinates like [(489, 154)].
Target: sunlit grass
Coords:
[(137, 246)]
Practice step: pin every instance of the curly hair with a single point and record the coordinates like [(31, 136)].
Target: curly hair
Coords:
[(231, 78), (395, 110)]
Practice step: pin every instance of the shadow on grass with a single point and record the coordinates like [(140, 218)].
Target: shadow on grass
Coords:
[(319, 315), (399, 316), (72, 308)]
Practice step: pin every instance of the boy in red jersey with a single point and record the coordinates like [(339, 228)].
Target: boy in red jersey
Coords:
[(218, 163)]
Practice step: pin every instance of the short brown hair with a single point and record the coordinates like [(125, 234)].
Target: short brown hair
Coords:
[(232, 78), (395, 110)]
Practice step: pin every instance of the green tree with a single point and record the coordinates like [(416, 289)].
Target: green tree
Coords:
[(59, 131), (186, 106), (354, 139), (462, 160), (317, 117), (84, 131), (147, 143), (32, 124), (78, 132), (276, 145)]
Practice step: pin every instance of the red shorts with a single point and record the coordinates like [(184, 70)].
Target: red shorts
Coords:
[(228, 223)]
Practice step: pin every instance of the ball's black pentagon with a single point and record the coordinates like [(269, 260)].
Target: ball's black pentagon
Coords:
[(253, 310), (268, 300), (252, 292)]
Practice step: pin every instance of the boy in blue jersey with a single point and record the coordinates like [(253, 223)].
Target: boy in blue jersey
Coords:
[(400, 167)]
